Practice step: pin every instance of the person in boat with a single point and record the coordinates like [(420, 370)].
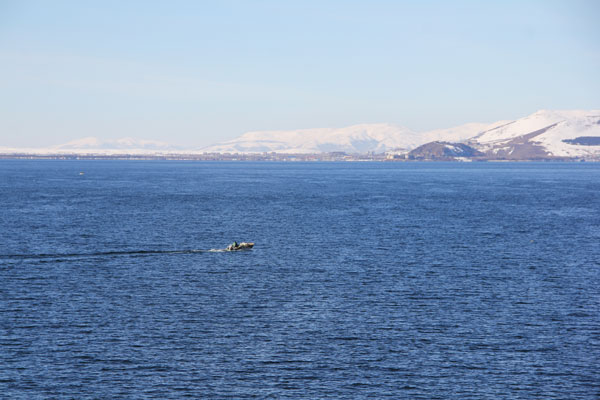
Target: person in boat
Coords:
[(234, 245)]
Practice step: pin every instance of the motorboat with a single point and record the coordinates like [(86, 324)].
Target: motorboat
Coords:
[(240, 246)]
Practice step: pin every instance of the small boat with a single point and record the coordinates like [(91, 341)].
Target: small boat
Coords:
[(240, 246)]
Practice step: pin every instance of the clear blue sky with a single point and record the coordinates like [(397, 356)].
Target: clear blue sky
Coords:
[(198, 72)]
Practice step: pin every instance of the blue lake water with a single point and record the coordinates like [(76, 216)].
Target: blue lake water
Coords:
[(368, 280)]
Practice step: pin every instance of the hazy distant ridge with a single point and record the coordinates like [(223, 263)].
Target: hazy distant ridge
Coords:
[(544, 134)]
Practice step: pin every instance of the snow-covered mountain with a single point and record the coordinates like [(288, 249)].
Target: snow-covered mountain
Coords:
[(460, 133), (542, 135), (93, 145), (128, 143), (376, 138), (363, 138)]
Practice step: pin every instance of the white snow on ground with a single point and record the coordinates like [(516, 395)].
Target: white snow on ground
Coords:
[(459, 133), (123, 143), (559, 125), (353, 139), (94, 146), (378, 138), (453, 148), (536, 121), (363, 138), (584, 125), (87, 151)]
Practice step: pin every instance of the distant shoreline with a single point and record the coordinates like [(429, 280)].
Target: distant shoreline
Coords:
[(276, 157)]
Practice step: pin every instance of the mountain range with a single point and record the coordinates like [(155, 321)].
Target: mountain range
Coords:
[(546, 134)]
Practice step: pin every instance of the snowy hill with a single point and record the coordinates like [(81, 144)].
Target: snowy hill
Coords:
[(542, 135), (376, 138), (460, 133), (93, 145), (443, 151), (353, 139)]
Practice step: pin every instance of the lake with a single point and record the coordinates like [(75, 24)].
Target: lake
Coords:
[(367, 280)]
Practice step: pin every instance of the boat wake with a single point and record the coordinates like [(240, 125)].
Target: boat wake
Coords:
[(104, 254)]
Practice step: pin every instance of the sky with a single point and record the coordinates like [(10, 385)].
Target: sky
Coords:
[(193, 73)]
